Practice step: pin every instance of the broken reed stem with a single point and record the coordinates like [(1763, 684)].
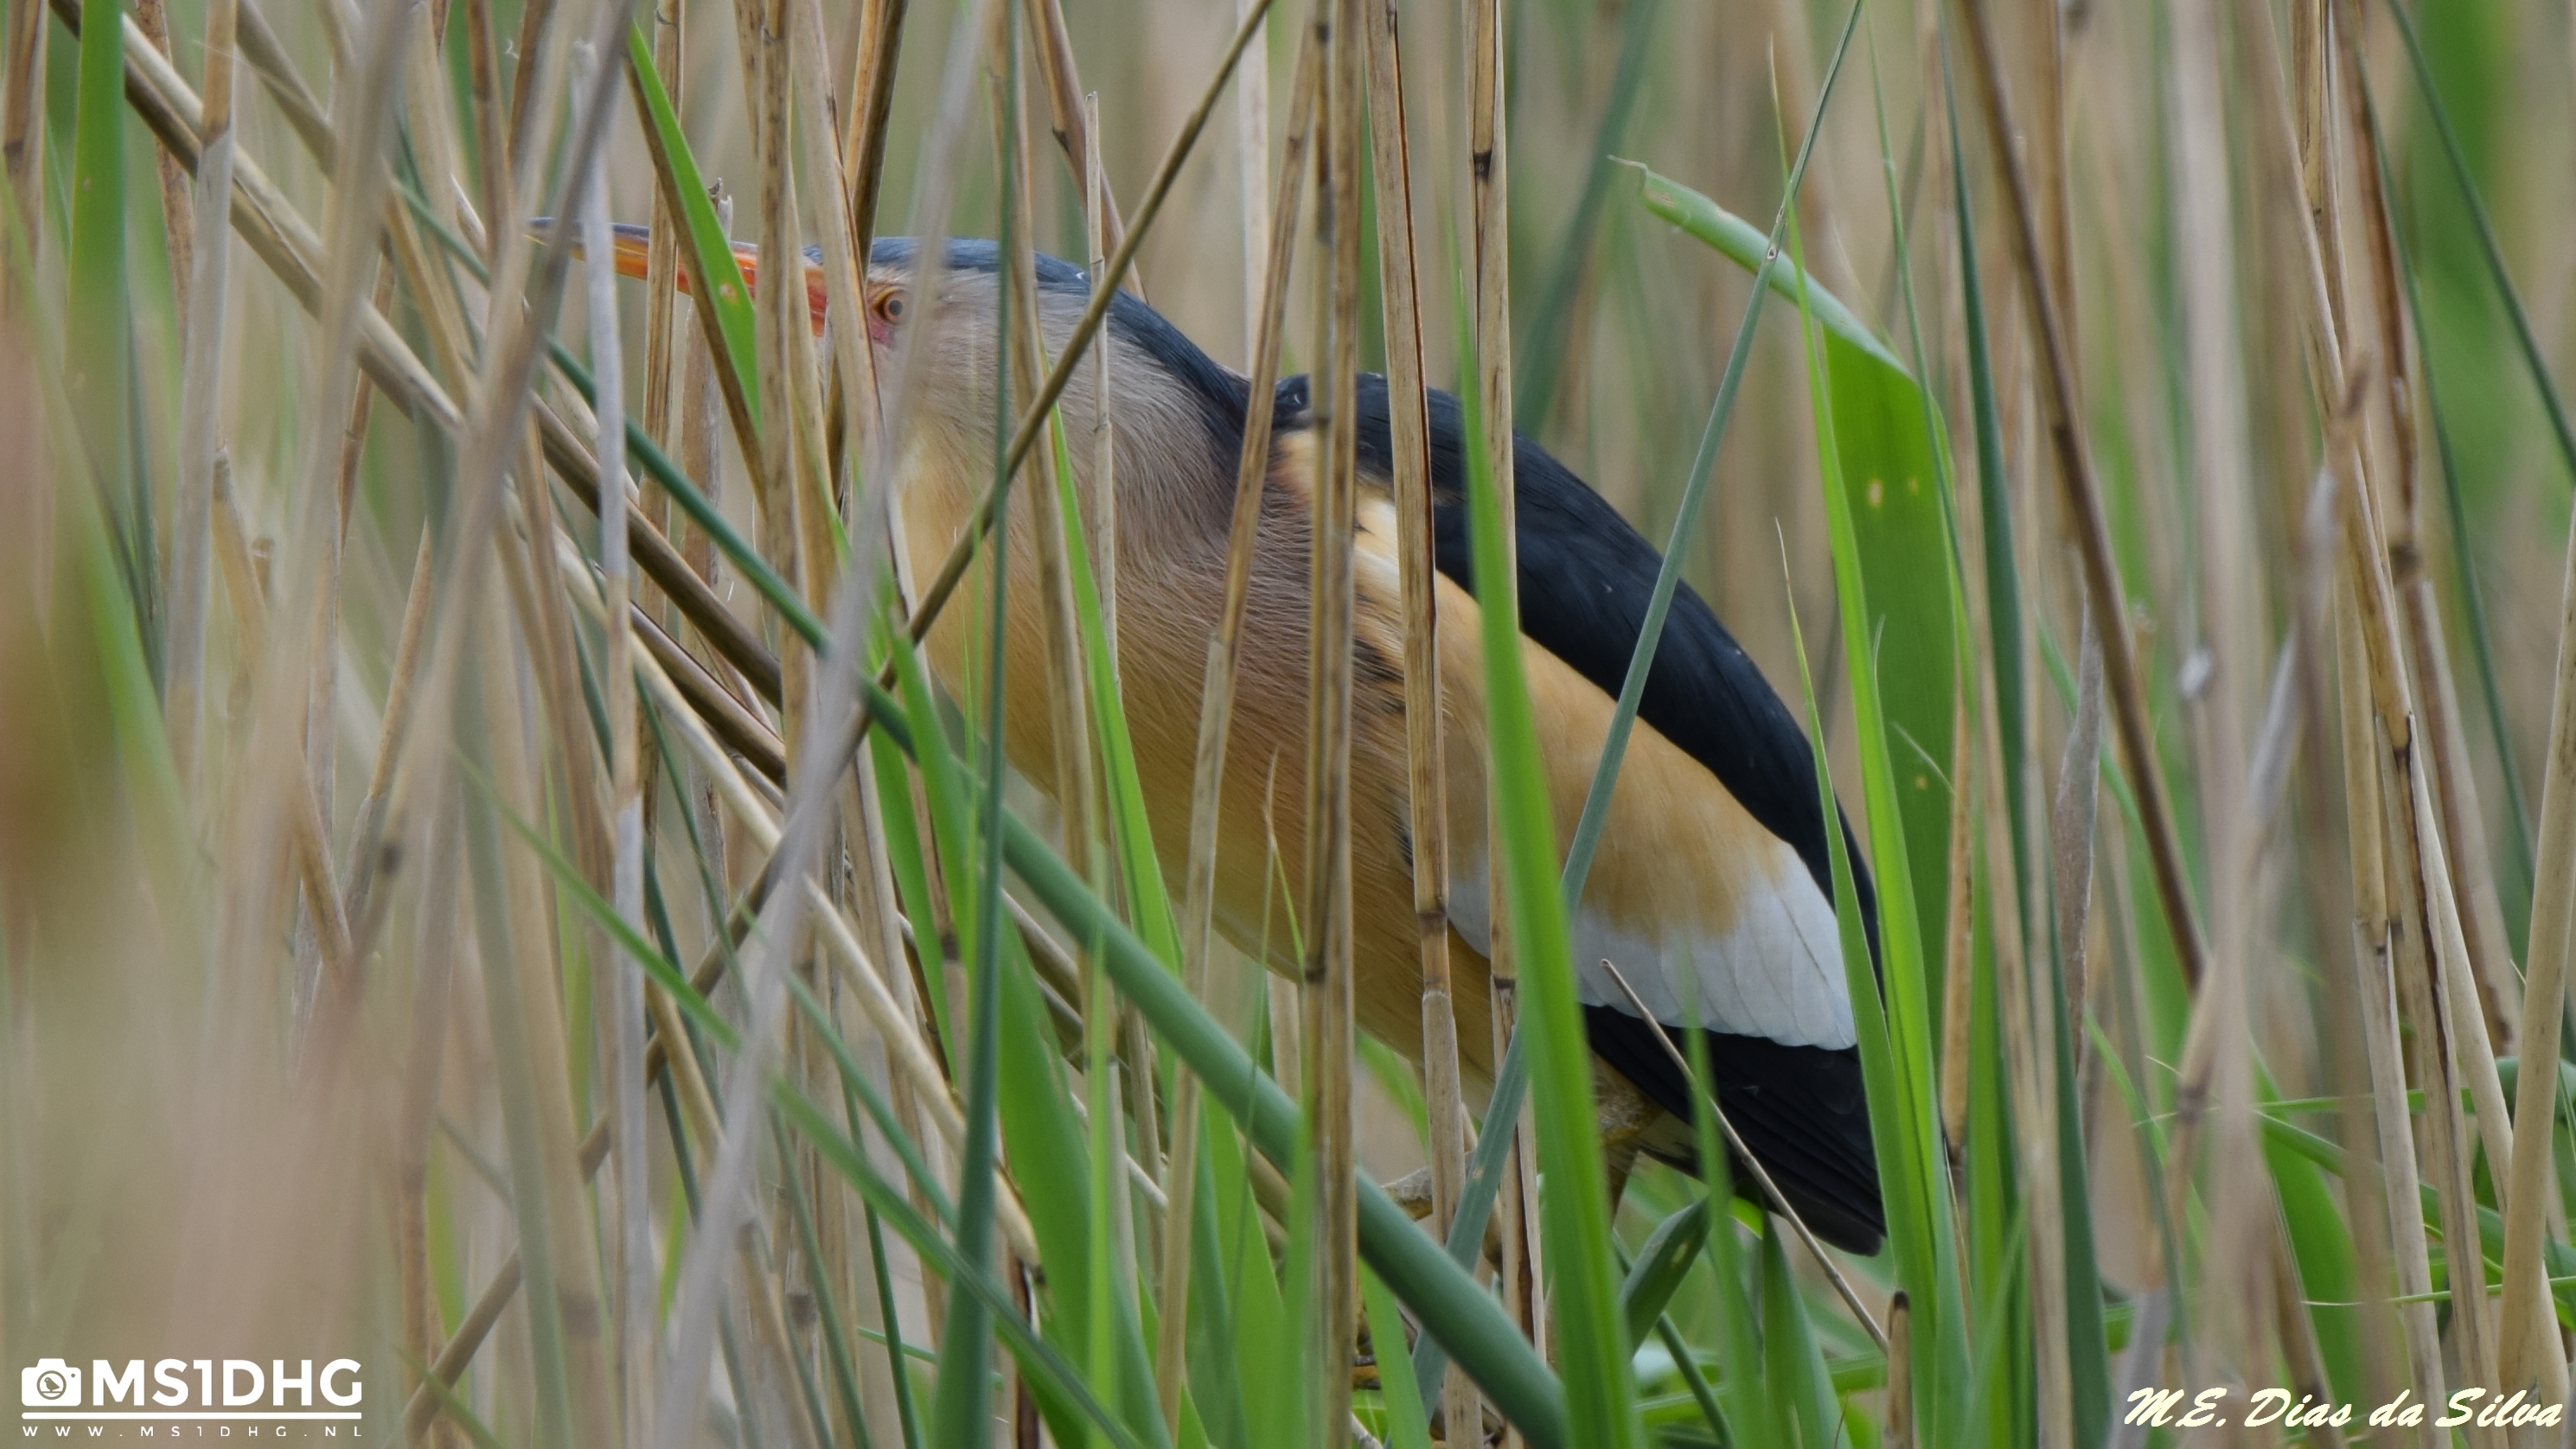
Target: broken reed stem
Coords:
[(1216, 710), (1328, 958), (1427, 799), (2086, 517)]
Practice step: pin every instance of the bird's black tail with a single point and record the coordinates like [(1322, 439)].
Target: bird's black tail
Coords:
[(1798, 1108)]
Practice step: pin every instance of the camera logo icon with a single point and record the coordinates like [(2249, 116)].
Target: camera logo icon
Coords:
[(50, 1384)]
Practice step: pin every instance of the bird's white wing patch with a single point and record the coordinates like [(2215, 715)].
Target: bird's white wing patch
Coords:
[(1775, 970)]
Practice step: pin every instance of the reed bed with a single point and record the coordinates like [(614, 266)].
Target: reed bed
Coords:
[(493, 887)]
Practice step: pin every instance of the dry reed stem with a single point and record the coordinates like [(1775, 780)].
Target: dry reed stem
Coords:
[(2218, 1080), (534, 65), (2393, 905), (1076, 125), (2531, 1344), (178, 216), (2086, 518), (2453, 966), (1898, 1432), (2437, 709), (200, 390), (1216, 695), (2301, 1354), (524, 300), (1488, 162), (267, 56), (423, 1407), (2376, 980), (1958, 956), (1100, 506), (2494, 980), (436, 954), (796, 522), (307, 620), (863, 141), (630, 1261), (1427, 812), (482, 78), (1068, 695), (2436, 1066), (844, 255), (527, 1028), (1252, 167), (555, 659), (366, 860), (1328, 983)]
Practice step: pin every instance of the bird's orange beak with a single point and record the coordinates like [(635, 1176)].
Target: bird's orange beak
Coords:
[(633, 242)]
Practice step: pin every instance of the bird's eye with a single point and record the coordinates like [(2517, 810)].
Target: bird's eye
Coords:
[(890, 306)]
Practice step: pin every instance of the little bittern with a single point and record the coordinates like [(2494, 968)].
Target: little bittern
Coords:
[(1711, 889)]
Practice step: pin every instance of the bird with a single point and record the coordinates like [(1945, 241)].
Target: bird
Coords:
[(1711, 894)]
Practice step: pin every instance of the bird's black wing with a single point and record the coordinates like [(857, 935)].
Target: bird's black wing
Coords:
[(1586, 577)]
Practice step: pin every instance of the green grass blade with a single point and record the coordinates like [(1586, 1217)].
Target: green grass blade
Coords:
[(1894, 1032), (1575, 1210), (714, 276), (1668, 1256), (1405, 1415), (101, 324), (960, 1414), (1888, 460), (1894, 1052), (1149, 905), (1751, 1414), (1994, 506), (1796, 1367)]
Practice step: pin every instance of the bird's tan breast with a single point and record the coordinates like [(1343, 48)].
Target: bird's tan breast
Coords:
[(1679, 859)]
